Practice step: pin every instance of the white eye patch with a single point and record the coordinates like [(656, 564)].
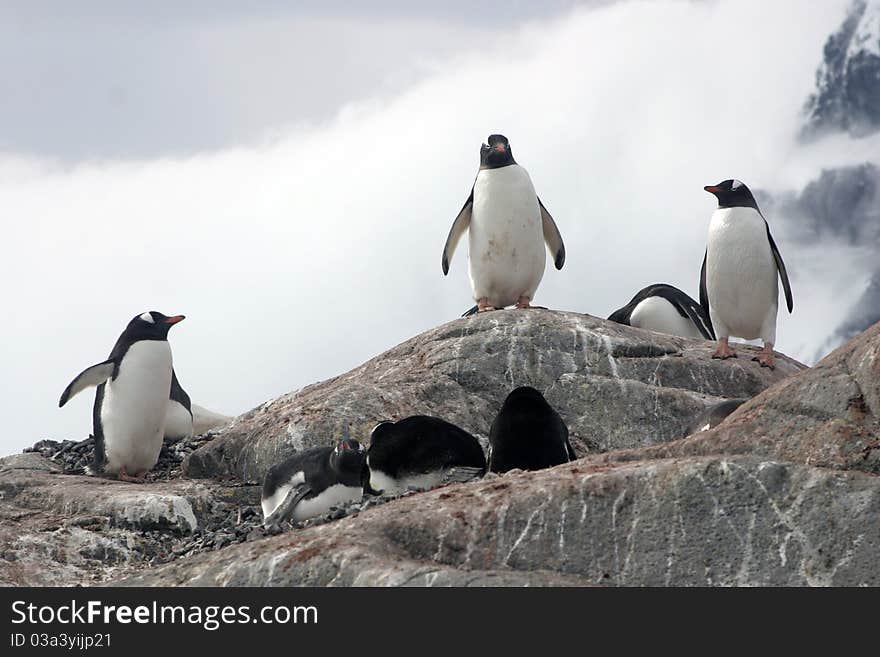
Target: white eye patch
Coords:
[(147, 317), (736, 184)]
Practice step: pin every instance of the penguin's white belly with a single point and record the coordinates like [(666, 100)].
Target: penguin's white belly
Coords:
[(506, 241), (389, 485), (335, 495), (657, 314), (740, 272), (135, 406)]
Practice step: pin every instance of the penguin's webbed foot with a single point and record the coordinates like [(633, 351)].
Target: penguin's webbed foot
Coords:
[(766, 359), (724, 351), (523, 303), (138, 478), (483, 305)]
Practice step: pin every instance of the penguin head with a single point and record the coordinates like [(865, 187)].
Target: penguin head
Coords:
[(348, 457), (732, 194), (525, 396), (496, 153), (151, 325)]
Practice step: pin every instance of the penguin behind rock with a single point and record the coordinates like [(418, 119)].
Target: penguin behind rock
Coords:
[(738, 282), (666, 309), (528, 434), (131, 403), (421, 452), (187, 419), (179, 420), (312, 481), (713, 416), (507, 226)]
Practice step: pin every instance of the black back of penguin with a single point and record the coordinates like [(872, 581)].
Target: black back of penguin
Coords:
[(528, 434), (420, 444), (311, 482), (321, 467)]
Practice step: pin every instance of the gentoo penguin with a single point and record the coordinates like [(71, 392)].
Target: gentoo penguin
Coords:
[(311, 481), (422, 452), (738, 279), (713, 416), (188, 419), (665, 309), (528, 434), (508, 226), (131, 404), (179, 420)]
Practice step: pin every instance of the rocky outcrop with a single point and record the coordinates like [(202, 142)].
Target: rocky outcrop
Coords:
[(614, 386), (697, 521), (827, 416), (784, 491)]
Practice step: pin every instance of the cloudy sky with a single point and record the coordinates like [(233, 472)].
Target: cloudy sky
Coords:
[(285, 174)]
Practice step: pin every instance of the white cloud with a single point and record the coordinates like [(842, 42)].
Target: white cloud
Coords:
[(300, 257)]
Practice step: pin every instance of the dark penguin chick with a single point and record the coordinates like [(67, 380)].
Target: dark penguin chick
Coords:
[(528, 434), (312, 481), (421, 452), (131, 402), (713, 416), (665, 309)]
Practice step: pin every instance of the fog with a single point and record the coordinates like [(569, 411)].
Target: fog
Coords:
[(314, 247)]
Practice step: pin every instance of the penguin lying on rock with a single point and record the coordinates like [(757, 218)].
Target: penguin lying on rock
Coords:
[(528, 434), (665, 309), (131, 403), (310, 482), (421, 452)]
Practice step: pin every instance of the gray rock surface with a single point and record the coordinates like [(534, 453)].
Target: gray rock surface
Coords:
[(827, 416), (784, 491), (615, 387), (698, 521)]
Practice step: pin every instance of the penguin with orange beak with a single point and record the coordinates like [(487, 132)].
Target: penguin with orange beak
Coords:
[(739, 281), (131, 403)]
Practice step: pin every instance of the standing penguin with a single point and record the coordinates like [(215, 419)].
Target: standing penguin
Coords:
[(666, 309), (528, 434), (508, 226), (131, 404), (308, 483), (738, 282), (423, 452)]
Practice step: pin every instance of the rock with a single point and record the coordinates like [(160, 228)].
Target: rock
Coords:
[(827, 416), (785, 491), (614, 386), (28, 461), (696, 521)]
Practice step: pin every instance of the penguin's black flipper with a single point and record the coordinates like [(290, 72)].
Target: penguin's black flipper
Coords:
[(783, 274), (704, 291), (461, 474), (552, 237), (461, 223), (284, 511), (91, 376)]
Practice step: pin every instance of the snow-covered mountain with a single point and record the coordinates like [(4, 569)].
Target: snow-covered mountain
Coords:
[(841, 207), (847, 95)]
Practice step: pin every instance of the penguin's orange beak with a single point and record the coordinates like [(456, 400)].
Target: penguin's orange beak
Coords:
[(712, 189), (175, 319)]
